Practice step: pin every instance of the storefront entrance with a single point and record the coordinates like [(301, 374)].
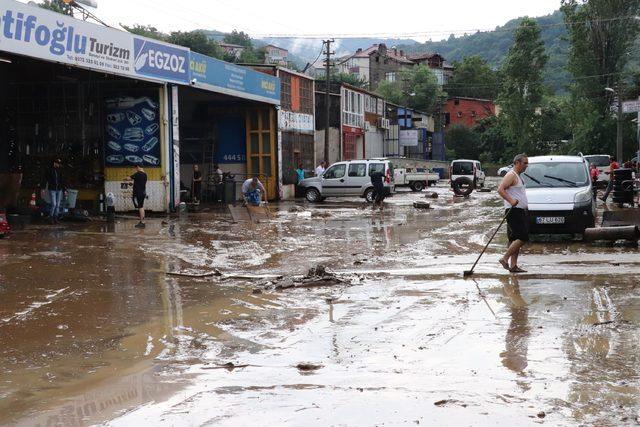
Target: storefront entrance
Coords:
[(88, 120), (261, 147), (234, 134)]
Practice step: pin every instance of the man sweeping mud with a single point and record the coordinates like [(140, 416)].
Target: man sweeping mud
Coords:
[(513, 191)]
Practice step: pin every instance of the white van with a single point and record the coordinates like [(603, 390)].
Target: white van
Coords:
[(471, 169), (348, 179), (603, 163), (560, 195)]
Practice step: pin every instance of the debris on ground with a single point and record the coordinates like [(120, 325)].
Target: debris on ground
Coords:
[(421, 205), (215, 272), (229, 366), (541, 414), (308, 367), (432, 195), (320, 215), (316, 276), (484, 190), (462, 186)]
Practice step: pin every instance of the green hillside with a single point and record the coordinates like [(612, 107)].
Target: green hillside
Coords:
[(493, 46)]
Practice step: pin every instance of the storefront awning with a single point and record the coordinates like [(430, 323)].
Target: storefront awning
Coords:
[(50, 36)]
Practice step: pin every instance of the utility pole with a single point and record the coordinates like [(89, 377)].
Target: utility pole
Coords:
[(619, 126), (327, 98)]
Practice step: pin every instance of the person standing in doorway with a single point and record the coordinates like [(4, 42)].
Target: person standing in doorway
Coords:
[(139, 179), (321, 168), (612, 166), (54, 182), (513, 191), (299, 174), (197, 184), (218, 183)]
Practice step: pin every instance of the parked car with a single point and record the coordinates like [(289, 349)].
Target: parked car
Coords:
[(471, 169), (560, 195), (348, 179), (416, 179), (602, 162), (503, 170)]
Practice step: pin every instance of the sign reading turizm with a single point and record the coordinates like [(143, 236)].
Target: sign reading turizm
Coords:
[(43, 34)]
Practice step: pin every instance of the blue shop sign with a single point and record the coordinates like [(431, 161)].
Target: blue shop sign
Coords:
[(219, 76), (162, 61)]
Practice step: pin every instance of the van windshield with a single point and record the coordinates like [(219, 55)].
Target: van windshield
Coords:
[(463, 168), (599, 161), (555, 174)]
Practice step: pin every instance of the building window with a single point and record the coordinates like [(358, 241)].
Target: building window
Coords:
[(391, 77), (306, 96), (459, 114), (285, 84), (456, 102), (473, 114)]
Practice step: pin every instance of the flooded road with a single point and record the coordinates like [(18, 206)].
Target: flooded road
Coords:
[(94, 331)]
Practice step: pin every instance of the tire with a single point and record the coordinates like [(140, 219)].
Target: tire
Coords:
[(462, 186), (503, 173), (417, 186), (312, 195), (369, 194)]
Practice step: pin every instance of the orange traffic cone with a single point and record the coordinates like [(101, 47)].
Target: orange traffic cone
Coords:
[(32, 203)]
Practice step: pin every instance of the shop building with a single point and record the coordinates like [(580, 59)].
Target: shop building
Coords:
[(296, 126), (227, 116), (105, 100)]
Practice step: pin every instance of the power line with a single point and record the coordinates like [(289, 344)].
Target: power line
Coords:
[(433, 33)]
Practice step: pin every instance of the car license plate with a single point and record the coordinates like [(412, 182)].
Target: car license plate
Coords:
[(550, 220)]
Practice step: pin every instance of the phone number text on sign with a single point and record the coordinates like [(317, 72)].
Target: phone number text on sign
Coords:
[(234, 158)]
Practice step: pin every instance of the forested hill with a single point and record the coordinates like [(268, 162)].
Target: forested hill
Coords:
[(493, 46)]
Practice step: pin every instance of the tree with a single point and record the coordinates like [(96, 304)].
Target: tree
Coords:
[(57, 6), (473, 78), (602, 35), (239, 38), (197, 41), (145, 31), (464, 142), (416, 87), (522, 87), (493, 140)]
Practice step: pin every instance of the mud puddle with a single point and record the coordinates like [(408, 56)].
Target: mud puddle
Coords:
[(98, 332)]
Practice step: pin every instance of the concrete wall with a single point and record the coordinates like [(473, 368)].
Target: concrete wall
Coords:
[(334, 145), (374, 144)]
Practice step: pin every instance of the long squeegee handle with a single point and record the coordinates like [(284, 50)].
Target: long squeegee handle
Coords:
[(491, 239)]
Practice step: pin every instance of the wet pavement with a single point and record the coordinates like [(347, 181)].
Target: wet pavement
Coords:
[(94, 331)]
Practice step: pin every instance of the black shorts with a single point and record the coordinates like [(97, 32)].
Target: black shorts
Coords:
[(138, 200), (379, 193), (518, 225)]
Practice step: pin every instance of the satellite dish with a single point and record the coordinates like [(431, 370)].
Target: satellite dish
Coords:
[(90, 3)]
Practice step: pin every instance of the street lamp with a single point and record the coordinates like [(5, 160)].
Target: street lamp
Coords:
[(619, 124)]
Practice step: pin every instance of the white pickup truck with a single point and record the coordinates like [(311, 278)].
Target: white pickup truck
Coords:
[(416, 179)]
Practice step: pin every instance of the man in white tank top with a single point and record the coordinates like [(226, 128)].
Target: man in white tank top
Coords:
[(513, 191)]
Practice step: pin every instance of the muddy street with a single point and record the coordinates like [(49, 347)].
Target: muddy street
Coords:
[(95, 331)]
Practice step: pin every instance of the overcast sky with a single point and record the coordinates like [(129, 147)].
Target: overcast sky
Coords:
[(421, 19)]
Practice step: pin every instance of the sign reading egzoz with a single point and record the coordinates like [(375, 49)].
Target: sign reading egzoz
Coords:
[(161, 60)]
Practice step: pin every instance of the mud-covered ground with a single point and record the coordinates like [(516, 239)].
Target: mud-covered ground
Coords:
[(94, 331)]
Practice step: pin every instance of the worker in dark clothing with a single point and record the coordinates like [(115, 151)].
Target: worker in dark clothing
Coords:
[(612, 167), (377, 180), (139, 192), (197, 184), (55, 185)]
